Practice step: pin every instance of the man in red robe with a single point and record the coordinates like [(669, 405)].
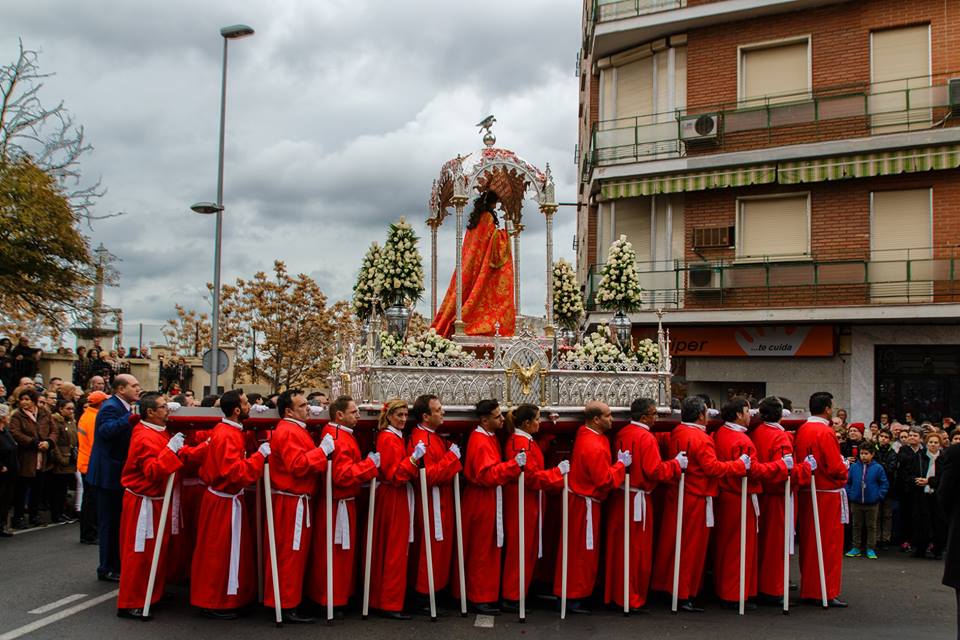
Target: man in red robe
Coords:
[(773, 443), (188, 492), (223, 574), (483, 533), (441, 462), (731, 442), (349, 471), (700, 488), (646, 472), (295, 465), (591, 478), (816, 438)]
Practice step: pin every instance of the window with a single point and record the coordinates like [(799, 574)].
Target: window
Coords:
[(900, 246), (776, 227), (900, 78), (775, 72)]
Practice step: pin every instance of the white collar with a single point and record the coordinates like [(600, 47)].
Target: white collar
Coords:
[(426, 428), (695, 426), (395, 431), (775, 425), (296, 422), (155, 427), (640, 424), (480, 429), (230, 422), (339, 427), (818, 419), (523, 434), (125, 403), (735, 427)]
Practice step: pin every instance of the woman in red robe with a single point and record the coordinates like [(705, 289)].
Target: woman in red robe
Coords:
[(487, 268)]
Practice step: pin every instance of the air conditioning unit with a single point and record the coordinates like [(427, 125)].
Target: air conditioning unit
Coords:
[(953, 90), (703, 277), (702, 128)]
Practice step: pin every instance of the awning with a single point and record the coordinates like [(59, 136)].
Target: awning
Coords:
[(676, 183), (869, 165)]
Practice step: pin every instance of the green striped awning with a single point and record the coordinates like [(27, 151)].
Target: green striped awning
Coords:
[(700, 181), (869, 165)]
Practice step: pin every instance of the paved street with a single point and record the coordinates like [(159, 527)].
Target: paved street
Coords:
[(47, 590)]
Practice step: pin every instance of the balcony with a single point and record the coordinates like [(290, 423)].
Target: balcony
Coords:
[(835, 113), (902, 276), (607, 10)]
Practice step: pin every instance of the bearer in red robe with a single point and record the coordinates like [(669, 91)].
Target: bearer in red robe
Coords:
[(393, 523), (591, 478), (188, 490), (223, 575), (774, 443), (441, 463), (816, 438), (483, 530), (700, 489), (525, 422), (731, 442), (350, 470), (646, 472), (295, 466)]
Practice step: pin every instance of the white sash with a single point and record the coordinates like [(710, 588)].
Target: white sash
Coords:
[(236, 526), (341, 530), (589, 520), (303, 510), (539, 524), (437, 520), (844, 503), (709, 512), (499, 516), (144, 521), (640, 506), (411, 502), (177, 514), (756, 510)]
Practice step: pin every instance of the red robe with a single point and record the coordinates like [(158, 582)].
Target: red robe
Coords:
[(392, 520), (441, 465), (149, 463), (731, 442), (703, 472), (485, 473), (487, 277), (646, 472), (816, 437), (536, 480), (188, 492), (228, 471), (591, 478), (772, 443), (295, 464), (349, 470)]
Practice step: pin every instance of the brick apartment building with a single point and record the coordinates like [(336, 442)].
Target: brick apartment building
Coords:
[(788, 172)]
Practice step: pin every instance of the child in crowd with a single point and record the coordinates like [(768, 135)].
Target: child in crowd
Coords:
[(866, 488)]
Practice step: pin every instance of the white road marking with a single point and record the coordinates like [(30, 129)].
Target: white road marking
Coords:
[(60, 615), (20, 532), (59, 603), (481, 621)]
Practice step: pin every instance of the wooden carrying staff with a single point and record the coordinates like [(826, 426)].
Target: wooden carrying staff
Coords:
[(787, 530), (816, 530), (157, 543), (329, 521), (428, 543), (369, 553), (520, 548), (564, 556), (626, 544), (272, 542), (457, 513), (676, 546), (743, 542)]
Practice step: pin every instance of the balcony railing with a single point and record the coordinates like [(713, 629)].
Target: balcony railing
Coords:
[(911, 276), (607, 10), (825, 114)]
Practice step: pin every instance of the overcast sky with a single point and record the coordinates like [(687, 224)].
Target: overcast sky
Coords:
[(339, 116)]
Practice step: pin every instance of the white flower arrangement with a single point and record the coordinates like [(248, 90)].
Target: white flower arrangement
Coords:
[(647, 352), (597, 350), (390, 346), (619, 288), (427, 346), (567, 301), (399, 271), (366, 289)]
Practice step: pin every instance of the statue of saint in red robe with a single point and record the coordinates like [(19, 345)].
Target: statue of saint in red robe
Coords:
[(487, 277)]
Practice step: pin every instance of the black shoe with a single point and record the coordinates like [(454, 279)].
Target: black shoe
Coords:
[(133, 614), (689, 607), (486, 609), (836, 603), (93, 541), (735, 606), (219, 614), (643, 610), (510, 606), (397, 615), (291, 616), (109, 576), (577, 607)]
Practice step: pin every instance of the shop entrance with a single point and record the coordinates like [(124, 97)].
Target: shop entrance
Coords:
[(921, 380)]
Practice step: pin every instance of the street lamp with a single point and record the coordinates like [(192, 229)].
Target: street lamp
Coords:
[(228, 33)]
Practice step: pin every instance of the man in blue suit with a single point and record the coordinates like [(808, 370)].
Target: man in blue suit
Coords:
[(107, 457)]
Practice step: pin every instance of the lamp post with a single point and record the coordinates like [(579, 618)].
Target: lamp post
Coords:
[(228, 33)]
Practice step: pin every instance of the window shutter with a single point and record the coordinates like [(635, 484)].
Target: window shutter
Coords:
[(773, 227), (900, 230), (774, 71)]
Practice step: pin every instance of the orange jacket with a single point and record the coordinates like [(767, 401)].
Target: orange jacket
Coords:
[(85, 431)]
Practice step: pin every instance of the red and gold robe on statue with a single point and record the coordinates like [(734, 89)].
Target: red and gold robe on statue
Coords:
[(223, 574), (536, 480), (149, 463), (349, 471), (700, 488), (487, 284), (816, 437), (393, 523), (295, 464), (483, 530), (591, 478), (731, 442), (646, 472)]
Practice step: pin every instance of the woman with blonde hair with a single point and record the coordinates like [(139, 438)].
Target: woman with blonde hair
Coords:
[(393, 512)]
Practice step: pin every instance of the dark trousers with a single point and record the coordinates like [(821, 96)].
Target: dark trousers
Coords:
[(26, 492), (57, 485), (109, 504), (88, 512), (8, 488)]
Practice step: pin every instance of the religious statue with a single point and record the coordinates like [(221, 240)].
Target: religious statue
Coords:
[(487, 269)]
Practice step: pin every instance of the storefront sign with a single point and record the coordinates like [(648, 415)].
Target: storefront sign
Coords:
[(753, 341)]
